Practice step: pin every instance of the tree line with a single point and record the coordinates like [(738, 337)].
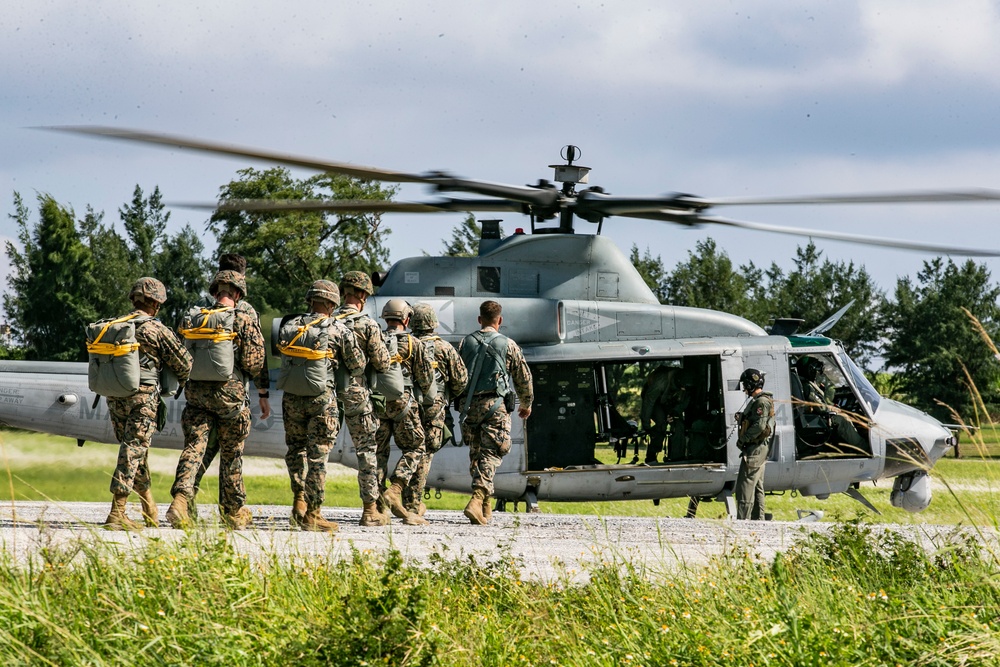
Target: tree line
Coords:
[(67, 271)]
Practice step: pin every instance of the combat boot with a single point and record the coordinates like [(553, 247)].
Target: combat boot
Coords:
[(474, 510), (313, 520), (419, 509), (393, 497), (117, 519), (150, 512), (299, 508), (192, 506), (487, 509), (177, 513), (414, 519), (372, 517), (238, 520)]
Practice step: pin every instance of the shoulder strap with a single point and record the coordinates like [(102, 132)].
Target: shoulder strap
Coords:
[(300, 352), (114, 349), (477, 367)]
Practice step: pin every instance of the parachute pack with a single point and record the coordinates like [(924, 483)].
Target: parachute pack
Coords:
[(304, 343), (438, 384), (390, 384), (208, 335), (114, 367)]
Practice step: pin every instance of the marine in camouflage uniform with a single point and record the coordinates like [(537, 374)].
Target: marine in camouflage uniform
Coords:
[(452, 377), (401, 420), (486, 421), (355, 288), (262, 381), (223, 406), (664, 400), (754, 442), (134, 417), (313, 422)]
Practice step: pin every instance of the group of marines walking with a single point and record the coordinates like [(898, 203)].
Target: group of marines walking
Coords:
[(480, 378)]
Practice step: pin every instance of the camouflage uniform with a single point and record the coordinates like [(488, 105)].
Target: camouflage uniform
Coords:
[(262, 381), (756, 429), (312, 422), (664, 401), (489, 438), (451, 378), (134, 417), (402, 415), (356, 399), (223, 406)]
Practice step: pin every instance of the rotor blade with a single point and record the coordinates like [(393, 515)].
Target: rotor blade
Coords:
[(357, 171), (905, 197), (528, 195), (694, 220), (829, 322), (353, 206)]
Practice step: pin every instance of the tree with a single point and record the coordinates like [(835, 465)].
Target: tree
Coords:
[(652, 271), (51, 283), (182, 267), (814, 290), (145, 221), (934, 343), (707, 280), (465, 238), (287, 251)]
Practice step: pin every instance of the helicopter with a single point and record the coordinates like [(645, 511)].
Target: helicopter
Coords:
[(593, 334)]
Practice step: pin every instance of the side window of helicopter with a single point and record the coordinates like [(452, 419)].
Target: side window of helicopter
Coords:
[(828, 415), (488, 279)]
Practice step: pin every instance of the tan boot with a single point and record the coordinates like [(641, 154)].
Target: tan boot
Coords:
[(313, 520), (414, 519), (299, 508), (393, 497), (238, 520), (150, 512), (372, 517), (419, 509), (474, 510), (177, 513), (487, 509), (117, 519)]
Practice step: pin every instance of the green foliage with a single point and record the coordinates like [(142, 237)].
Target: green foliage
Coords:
[(652, 271), (934, 344), (287, 251), (465, 238), (708, 280)]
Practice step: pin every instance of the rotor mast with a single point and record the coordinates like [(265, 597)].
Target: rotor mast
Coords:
[(569, 175)]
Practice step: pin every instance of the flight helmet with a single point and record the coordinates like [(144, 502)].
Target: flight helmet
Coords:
[(751, 380)]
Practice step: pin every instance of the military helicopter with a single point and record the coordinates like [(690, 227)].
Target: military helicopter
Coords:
[(594, 335)]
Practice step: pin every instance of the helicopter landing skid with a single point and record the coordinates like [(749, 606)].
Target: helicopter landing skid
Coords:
[(530, 502)]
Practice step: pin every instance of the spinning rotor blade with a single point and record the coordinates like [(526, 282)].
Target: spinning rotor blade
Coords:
[(358, 171), (354, 206), (694, 220), (909, 197)]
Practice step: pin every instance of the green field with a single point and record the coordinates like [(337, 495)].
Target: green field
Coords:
[(39, 467)]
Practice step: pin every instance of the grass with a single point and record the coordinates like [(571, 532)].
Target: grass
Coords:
[(854, 596)]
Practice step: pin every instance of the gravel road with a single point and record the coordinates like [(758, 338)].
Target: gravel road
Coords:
[(548, 547)]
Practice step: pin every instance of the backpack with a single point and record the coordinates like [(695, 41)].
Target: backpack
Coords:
[(304, 344), (485, 355), (208, 335), (114, 367), (390, 384), (438, 383)]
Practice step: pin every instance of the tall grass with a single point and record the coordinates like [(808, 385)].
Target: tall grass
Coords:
[(853, 596)]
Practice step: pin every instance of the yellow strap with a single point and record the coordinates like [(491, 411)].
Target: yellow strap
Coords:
[(201, 332), (114, 349), (396, 358), (294, 350)]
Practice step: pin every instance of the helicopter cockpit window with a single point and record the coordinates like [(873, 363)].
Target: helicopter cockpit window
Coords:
[(868, 393), (830, 420), (488, 279)]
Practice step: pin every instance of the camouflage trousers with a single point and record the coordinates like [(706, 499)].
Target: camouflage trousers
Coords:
[(362, 424), (197, 422), (750, 482), (488, 439), (134, 420), (402, 424), (311, 427), (432, 419)]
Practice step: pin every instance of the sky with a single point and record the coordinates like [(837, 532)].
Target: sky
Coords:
[(710, 98)]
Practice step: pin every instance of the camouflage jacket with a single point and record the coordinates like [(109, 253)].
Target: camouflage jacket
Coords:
[(448, 365), (368, 335), (250, 355), (161, 345), (518, 370), (346, 351), (263, 379)]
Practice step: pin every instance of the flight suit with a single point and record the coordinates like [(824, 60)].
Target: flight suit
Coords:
[(754, 443), (821, 401)]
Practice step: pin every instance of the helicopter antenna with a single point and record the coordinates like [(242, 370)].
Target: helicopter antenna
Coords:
[(569, 175)]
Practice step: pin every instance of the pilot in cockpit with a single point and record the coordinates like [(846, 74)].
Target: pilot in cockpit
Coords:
[(819, 392)]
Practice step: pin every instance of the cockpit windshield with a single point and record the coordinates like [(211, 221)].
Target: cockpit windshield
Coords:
[(868, 393)]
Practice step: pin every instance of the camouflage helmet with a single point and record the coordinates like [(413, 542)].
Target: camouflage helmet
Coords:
[(424, 318), (358, 280), (751, 380), (396, 309), (323, 289), (232, 278), (148, 289)]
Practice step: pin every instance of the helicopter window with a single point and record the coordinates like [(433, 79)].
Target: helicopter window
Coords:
[(828, 416), (868, 393), (442, 290), (489, 279)]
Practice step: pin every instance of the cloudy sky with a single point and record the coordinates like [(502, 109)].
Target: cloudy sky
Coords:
[(711, 98)]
